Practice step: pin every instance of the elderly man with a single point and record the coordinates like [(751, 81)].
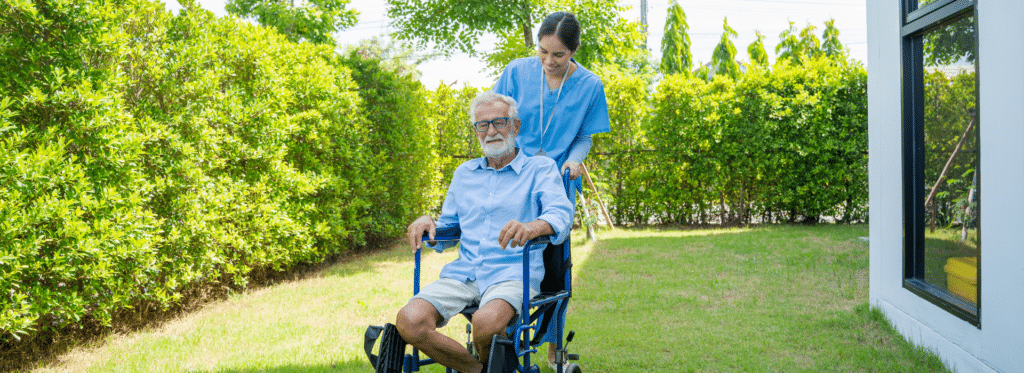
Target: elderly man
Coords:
[(500, 201)]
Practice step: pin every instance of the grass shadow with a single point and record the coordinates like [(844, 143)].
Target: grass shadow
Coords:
[(341, 367)]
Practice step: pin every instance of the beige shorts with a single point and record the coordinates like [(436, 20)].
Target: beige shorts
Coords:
[(450, 296)]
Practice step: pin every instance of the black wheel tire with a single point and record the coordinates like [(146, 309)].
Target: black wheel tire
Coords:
[(572, 368)]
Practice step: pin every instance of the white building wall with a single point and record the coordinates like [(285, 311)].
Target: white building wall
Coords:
[(999, 344), (1001, 73)]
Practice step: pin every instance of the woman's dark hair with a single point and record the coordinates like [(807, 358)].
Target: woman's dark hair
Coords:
[(563, 25)]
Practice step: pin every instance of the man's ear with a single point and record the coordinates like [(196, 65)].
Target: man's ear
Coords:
[(515, 127)]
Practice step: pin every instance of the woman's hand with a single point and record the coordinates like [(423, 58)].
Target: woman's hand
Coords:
[(574, 169)]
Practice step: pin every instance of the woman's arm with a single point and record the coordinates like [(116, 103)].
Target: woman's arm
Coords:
[(577, 152), (579, 149)]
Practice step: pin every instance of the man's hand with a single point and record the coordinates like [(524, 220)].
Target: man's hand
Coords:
[(574, 169), (515, 233), (417, 228)]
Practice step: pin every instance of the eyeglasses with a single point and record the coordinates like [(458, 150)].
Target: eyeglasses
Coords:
[(484, 125)]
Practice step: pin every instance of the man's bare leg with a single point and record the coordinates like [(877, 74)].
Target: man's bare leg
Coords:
[(488, 321), (417, 323)]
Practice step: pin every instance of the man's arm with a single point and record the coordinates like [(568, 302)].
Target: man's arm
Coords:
[(426, 224), (555, 215)]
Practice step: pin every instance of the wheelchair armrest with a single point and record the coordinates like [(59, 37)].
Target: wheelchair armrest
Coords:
[(542, 240), (445, 233), (454, 233)]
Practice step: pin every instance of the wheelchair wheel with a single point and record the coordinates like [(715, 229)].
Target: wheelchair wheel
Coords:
[(572, 368)]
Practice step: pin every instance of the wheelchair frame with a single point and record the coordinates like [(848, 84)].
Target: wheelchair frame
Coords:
[(521, 338)]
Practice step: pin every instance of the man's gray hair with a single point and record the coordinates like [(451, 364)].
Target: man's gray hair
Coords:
[(488, 98)]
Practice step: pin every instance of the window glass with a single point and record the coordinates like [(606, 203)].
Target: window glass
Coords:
[(951, 159)]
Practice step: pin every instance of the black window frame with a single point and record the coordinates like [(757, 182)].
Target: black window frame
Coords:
[(915, 23)]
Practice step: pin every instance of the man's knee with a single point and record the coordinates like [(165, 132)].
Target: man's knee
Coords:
[(493, 318), (416, 319)]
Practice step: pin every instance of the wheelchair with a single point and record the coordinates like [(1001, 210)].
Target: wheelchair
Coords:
[(539, 317)]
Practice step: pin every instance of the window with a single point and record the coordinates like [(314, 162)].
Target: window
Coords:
[(941, 155)]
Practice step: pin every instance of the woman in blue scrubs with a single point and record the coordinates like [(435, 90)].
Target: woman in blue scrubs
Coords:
[(561, 104)]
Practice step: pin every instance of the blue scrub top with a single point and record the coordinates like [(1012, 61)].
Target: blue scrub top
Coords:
[(581, 110)]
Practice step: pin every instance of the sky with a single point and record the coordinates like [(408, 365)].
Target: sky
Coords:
[(704, 18)]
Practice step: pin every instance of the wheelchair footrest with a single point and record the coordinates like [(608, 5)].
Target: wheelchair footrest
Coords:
[(503, 358), (392, 351)]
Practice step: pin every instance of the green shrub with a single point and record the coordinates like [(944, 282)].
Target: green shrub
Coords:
[(787, 144), (457, 142), (401, 147), (146, 154), (619, 162)]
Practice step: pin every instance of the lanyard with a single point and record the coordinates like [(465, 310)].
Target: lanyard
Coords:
[(543, 82)]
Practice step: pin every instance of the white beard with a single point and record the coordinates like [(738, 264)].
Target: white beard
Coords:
[(499, 150)]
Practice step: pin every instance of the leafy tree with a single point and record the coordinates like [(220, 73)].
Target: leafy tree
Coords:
[(605, 37), (789, 47), (811, 46), (758, 57), (798, 47), (831, 45), (702, 72), (456, 25), (675, 45), (393, 55), (511, 45), (311, 20), (724, 59)]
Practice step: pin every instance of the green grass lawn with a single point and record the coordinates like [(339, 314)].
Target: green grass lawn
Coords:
[(777, 298)]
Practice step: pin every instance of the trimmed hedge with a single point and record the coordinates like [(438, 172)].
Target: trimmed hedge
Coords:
[(782, 145), (449, 115), (145, 154)]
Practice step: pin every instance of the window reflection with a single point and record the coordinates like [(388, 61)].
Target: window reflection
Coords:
[(951, 159)]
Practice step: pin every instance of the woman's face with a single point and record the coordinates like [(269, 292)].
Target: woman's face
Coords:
[(554, 56)]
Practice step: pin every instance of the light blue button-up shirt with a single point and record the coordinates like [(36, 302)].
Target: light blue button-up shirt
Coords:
[(481, 200)]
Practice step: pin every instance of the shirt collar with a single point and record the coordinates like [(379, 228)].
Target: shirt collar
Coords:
[(517, 163)]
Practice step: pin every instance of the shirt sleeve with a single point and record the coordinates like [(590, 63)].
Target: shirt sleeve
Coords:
[(579, 148), (596, 118), (449, 213), (506, 83), (555, 207)]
